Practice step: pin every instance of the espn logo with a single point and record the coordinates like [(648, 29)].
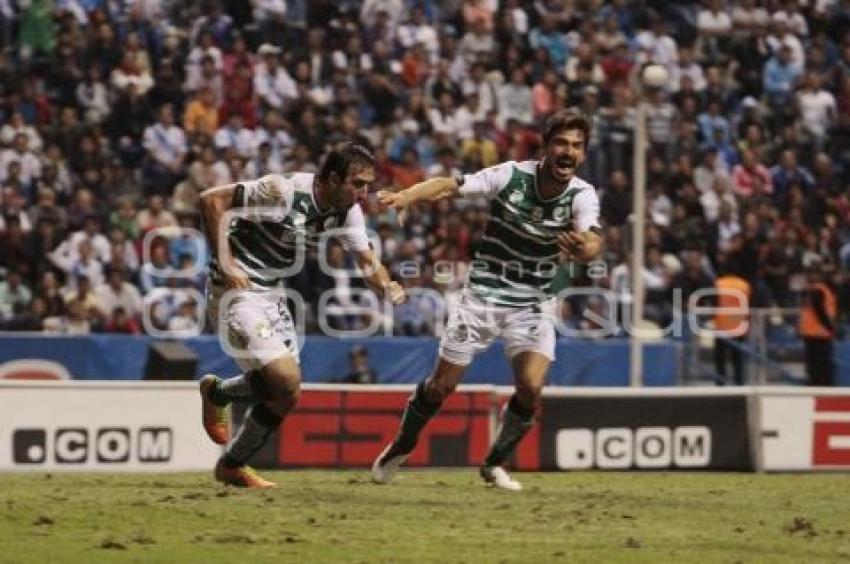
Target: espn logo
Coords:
[(804, 432), (78, 445), (831, 432), (622, 448)]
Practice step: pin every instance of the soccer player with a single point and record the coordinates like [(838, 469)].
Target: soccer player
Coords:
[(538, 210), (278, 216)]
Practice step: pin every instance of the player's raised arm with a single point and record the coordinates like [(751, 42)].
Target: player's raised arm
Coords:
[(486, 183), (431, 190)]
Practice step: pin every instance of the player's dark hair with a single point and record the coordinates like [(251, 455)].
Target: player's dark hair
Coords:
[(339, 160), (564, 120)]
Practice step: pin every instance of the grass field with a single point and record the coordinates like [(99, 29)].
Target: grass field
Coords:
[(426, 516)]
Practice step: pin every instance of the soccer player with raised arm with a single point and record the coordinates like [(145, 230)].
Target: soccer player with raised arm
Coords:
[(275, 218), (539, 211)]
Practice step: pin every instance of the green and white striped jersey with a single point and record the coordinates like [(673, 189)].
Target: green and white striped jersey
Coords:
[(517, 257), (275, 220)]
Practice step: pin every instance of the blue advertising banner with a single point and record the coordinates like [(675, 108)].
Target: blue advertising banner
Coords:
[(324, 359)]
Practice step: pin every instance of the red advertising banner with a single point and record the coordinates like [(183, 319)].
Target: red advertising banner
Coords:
[(344, 429)]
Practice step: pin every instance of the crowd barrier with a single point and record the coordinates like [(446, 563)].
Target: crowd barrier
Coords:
[(146, 426), (396, 360)]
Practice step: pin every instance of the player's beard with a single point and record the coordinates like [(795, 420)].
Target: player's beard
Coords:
[(562, 168)]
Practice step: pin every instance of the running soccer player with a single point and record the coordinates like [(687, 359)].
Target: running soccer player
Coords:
[(276, 217), (538, 210)]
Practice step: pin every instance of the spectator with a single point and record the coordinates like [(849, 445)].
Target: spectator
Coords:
[(359, 371), (201, 117), (817, 108), (166, 147), (547, 36), (780, 76), (477, 45), (301, 161), (417, 31), (204, 62), (543, 94), (80, 265), (234, 135), (155, 216), (121, 323), (46, 209), (786, 173), (122, 252), (661, 117), (158, 272), (131, 74), (20, 153), (817, 328), (68, 252), (204, 173), (185, 322), (715, 27), (719, 195), (118, 293), (273, 85), (479, 152), (713, 124), (74, 322), (783, 36), (751, 178), (14, 295), (731, 321), (16, 125), (515, 99), (93, 96), (408, 172)]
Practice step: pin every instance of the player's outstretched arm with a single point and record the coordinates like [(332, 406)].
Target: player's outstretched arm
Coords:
[(377, 277), (214, 203), (431, 190)]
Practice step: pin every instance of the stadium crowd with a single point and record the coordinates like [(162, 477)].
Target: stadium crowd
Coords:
[(115, 114)]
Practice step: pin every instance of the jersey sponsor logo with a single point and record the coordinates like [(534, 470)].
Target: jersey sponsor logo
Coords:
[(559, 213), (537, 214), (80, 445), (460, 333), (515, 197), (263, 330)]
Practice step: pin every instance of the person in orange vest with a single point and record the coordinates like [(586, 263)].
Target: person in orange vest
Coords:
[(817, 327), (732, 317)]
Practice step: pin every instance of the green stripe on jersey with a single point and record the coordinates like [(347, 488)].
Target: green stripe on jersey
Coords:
[(267, 248), (517, 258)]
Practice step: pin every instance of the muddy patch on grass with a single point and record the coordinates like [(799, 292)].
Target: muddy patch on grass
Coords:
[(111, 544), (43, 520), (802, 527), (632, 542)]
